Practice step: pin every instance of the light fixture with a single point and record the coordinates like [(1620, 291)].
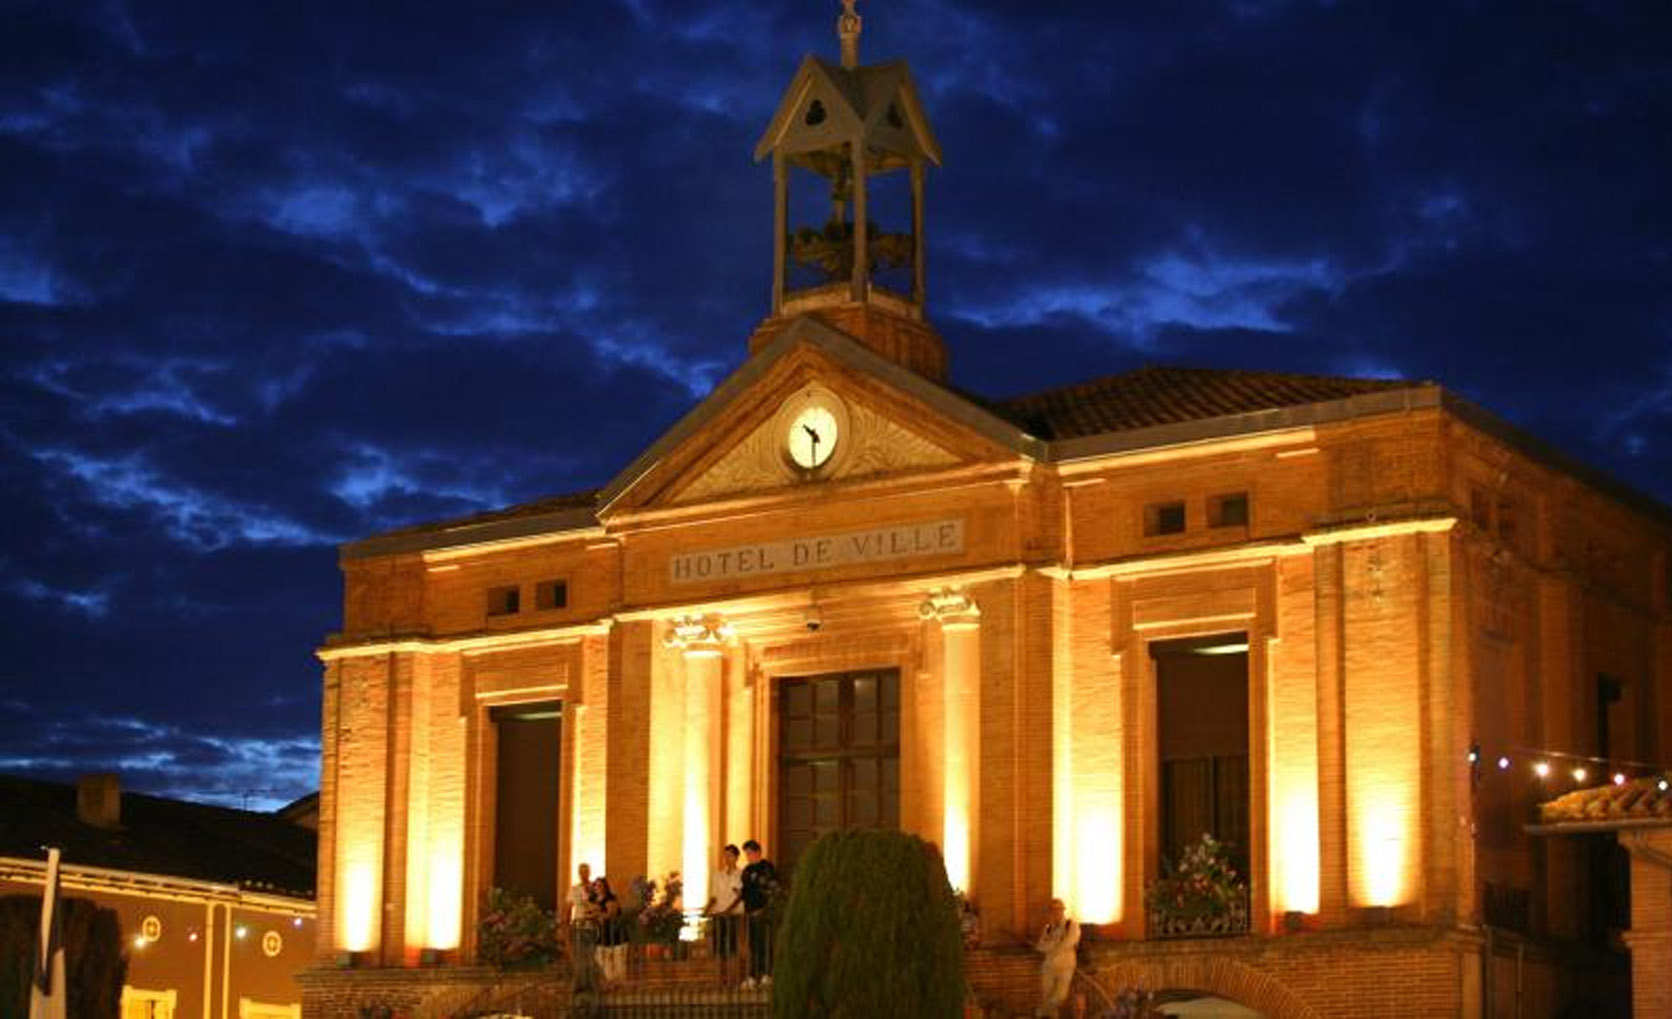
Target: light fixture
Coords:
[(1542, 769), (241, 930), (1222, 649), (139, 941), (1580, 774), (1619, 778), (1503, 764), (1663, 785)]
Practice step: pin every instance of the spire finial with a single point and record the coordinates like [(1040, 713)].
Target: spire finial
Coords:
[(847, 27)]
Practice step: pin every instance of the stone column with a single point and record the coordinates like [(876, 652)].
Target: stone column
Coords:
[(701, 640), (960, 624)]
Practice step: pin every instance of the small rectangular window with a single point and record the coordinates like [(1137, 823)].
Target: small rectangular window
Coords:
[(553, 594), (504, 601), (1230, 510), (1508, 525), (1164, 518)]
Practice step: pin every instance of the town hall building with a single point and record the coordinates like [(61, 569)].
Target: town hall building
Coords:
[(1060, 635)]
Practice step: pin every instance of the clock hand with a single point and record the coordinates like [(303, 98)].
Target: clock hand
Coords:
[(811, 431)]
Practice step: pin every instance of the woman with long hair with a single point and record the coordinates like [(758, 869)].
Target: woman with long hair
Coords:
[(612, 934)]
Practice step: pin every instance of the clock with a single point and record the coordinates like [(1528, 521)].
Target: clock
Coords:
[(812, 423)]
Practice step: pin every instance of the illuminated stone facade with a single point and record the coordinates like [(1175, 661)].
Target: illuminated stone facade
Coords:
[(1410, 577)]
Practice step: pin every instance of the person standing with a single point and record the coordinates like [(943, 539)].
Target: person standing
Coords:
[(583, 921), (1056, 973), (612, 932), (758, 884), (725, 908)]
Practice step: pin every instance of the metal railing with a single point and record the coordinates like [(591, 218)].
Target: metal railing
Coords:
[(708, 978), (1233, 920)]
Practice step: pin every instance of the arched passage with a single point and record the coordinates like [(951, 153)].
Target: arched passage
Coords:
[(1224, 978)]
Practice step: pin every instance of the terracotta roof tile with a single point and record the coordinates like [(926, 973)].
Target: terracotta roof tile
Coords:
[(1138, 399), (1635, 801), (550, 504), (1164, 396)]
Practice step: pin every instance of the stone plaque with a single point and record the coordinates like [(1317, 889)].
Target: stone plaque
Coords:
[(819, 552)]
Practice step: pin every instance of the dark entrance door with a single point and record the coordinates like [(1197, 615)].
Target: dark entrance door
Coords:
[(1202, 695), (526, 808), (838, 756)]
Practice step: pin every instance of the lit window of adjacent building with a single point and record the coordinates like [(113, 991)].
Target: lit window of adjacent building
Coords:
[(138, 1003), (504, 601), (1229, 510), (1164, 518), (553, 594)]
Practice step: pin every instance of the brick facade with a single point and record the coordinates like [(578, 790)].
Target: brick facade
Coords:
[(1409, 584)]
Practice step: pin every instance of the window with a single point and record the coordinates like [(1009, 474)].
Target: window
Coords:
[(553, 594), (1164, 518), (504, 601), (1230, 510), (142, 1004), (839, 756), (251, 1009)]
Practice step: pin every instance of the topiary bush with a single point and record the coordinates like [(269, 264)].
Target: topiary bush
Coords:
[(95, 964), (871, 929)]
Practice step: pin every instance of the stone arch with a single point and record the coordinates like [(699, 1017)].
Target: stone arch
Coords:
[(1226, 978)]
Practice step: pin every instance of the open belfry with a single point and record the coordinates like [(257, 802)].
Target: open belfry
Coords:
[(1061, 635)]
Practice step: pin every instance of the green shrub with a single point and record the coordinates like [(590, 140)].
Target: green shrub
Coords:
[(871, 929), (94, 964)]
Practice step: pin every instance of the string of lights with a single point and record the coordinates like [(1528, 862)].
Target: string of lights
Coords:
[(1583, 769)]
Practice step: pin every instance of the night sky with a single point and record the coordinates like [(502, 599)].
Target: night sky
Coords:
[(274, 276)]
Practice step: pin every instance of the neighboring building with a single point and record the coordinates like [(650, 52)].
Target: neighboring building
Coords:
[(1637, 815), (1061, 635), (215, 905)]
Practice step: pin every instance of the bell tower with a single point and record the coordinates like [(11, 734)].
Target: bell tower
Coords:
[(853, 134)]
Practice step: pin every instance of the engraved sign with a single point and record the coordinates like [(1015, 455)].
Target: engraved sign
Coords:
[(820, 552)]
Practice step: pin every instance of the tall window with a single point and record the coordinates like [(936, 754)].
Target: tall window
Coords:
[(526, 802), (838, 756), (1202, 697)]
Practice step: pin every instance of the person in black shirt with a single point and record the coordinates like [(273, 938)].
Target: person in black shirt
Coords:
[(760, 883)]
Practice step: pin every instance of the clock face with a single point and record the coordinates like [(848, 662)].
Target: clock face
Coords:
[(812, 436)]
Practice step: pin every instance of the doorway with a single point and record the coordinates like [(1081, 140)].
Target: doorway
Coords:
[(528, 766), (1202, 708), (838, 756)]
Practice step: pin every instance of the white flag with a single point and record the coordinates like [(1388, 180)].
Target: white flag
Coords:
[(47, 992)]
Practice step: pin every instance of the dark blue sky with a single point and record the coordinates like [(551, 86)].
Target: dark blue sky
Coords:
[(278, 275)]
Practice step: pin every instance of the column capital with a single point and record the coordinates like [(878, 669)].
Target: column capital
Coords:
[(697, 636), (952, 607)]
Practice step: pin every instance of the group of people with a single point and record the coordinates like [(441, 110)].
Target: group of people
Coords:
[(737, 908), (596, 924), (740, 899)]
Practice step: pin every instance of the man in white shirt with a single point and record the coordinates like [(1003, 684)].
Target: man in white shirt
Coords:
[(1058, 943), (726, 907)]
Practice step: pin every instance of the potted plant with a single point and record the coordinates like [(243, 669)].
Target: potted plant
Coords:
[(1201, 896), (515, 932), (660, 917)]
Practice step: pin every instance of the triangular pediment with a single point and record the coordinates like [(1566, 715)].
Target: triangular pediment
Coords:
[(873, 446), (893, 423), (826, 104)]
